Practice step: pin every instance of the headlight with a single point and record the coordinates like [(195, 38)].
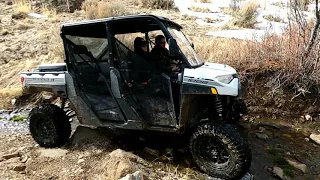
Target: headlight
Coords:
[(225, 78)]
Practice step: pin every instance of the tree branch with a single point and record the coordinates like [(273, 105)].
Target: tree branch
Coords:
[(314, 32)]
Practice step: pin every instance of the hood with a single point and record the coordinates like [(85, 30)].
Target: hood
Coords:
[(210, 71)]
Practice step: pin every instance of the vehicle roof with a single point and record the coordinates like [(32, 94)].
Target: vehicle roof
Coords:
[(119, 25)]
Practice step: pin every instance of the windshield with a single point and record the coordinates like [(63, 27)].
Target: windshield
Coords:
[(186, 48)]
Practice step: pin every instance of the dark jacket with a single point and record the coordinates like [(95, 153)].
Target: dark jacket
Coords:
[(161, 57)]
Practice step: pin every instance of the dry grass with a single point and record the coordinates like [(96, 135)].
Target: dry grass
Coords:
[(199, 9), (156, 4), (49, 12), (273, 18), (7, 94), (22, 6), (246, 16), (102, 9), (56, 53)]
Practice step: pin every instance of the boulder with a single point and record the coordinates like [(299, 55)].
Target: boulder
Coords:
[(119, 163), (315, 138), (135, 176), (278, 172), (262, 135), (297, 165)]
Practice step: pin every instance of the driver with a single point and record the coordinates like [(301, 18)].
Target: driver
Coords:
[(160, 55)]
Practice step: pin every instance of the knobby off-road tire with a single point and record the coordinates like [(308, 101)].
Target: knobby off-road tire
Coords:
[(49, 125), (220, 151)]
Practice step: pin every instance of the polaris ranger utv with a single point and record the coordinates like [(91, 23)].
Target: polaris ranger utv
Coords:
[(108, 85)]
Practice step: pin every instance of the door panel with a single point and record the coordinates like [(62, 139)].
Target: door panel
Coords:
[(155, 99)]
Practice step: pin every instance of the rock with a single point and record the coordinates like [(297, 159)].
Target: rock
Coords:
[(19, 167), (307, 139), (9, 3), (315, 138), (135, 176), (84, 133), (11, 155), (152, 152), (278, 172), (119, 163), (53, 153), (80, 161), (297, 165), (4, 32), (36, 15), (308, 117), (262, 135), (19, 15), (24, 158)]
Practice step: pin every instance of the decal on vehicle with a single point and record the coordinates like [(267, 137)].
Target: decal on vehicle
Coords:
[(43, 79), (198, 81)]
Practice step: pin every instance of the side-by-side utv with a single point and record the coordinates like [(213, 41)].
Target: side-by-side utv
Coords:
[(109, 85)]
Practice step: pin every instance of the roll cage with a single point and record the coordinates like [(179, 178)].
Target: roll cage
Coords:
[(109, 27)]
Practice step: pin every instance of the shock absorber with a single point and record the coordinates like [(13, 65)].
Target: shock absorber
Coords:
[(218, 107)]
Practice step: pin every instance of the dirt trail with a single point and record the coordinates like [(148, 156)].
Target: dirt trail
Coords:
[(92, 146)]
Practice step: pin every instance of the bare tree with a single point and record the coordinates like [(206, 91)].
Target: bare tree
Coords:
[(314, 31)]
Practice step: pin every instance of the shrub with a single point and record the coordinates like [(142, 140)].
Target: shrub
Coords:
[(102, 9), (199, 9), (277, 57), (22, 6), (246, 16), (273, 18), (156, 4)]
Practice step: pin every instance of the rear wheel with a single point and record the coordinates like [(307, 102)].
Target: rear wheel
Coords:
[(220, 151), (49, 125)]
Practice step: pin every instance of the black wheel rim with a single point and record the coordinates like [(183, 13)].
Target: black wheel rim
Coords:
[(45, 129), (213, 152)]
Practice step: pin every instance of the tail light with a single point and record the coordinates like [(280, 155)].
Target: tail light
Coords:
[(21, 80)]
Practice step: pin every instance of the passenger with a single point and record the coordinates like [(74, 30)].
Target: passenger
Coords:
[(160, 54), (141, 48)]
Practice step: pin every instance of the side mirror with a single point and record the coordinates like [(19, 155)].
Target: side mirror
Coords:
[(174, 50)]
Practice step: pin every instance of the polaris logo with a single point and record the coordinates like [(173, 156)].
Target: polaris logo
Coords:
[(198, 81), (43, 79)]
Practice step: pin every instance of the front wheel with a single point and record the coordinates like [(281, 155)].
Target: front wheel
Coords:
[(220, 151)]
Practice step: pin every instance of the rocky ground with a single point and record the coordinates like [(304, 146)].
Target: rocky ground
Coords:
[(278, 151)]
